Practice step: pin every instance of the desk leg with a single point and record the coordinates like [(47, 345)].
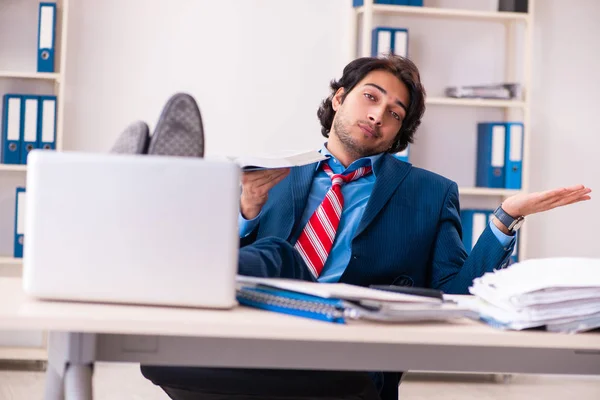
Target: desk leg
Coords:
[(78, 382), (54, 389), (70, 366)]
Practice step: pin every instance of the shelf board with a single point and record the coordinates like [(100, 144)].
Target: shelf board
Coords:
[(11, 267), (23, 353), (11, 261), (476, 191), (451, 101), (13, 167), (30, 75), (501, 16)]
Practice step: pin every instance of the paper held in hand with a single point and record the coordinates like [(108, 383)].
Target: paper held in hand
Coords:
[(253, 163)]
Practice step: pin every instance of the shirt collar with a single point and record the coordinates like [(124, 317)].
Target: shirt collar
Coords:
[(338, 167)]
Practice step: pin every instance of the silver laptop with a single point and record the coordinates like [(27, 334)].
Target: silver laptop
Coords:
[(131, 229)]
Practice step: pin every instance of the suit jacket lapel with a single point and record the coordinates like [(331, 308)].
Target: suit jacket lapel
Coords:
[(301, 180), (390, 174)]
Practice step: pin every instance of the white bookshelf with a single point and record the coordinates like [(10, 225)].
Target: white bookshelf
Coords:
[(23, 353), (11, 261), (32, 82), (477, 191), (362, 24), (30, 75), (363, 17), (12, 168), (11, 268), (434, 12), (449, 101)]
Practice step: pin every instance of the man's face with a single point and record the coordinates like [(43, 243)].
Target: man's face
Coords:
[(368, 120)]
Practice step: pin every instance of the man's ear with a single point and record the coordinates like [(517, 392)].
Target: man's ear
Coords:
[(336, 101)]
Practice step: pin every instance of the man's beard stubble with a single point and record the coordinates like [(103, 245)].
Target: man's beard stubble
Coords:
[(342, 130)]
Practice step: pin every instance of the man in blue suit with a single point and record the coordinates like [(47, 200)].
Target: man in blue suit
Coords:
[(398, 224)]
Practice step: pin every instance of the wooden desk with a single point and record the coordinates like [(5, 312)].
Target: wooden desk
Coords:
[(82, 333)]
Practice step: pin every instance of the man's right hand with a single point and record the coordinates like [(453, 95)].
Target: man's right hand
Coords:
[(255, 189)]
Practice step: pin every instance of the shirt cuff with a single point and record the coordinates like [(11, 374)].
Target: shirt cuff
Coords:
[(246, 226), (503, 238)]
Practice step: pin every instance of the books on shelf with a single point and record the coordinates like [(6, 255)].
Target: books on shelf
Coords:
[(29, 119), (499, 155), (416, 3), (474, 222), (28, 122), (521, 6), (19, 227), (388, 40), (502, 91), (403, 155), (46, 37)]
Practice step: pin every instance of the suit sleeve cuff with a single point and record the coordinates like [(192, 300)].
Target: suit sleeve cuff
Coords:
[(505, 240), (246, 226)]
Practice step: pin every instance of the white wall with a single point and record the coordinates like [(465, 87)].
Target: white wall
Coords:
[(565, 132), (258, 68)]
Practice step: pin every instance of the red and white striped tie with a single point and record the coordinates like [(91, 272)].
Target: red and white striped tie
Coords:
[(316, 239)]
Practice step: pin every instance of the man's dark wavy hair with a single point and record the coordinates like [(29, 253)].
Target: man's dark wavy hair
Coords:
[(403, 69)]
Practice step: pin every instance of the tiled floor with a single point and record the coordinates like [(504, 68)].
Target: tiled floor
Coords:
[(124, 382)]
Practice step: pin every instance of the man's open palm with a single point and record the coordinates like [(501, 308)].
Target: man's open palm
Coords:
[(530, 203)]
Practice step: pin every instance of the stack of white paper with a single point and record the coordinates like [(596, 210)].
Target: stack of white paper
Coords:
[(357, 303), (562, 294), (336, 290)]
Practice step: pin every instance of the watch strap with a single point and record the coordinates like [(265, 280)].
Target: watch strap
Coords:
[(506, 219)]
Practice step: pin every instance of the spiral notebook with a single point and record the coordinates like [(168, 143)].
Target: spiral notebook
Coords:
[(341, 311)]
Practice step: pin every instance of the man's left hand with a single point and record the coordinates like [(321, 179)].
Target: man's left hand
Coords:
[(530, 203)]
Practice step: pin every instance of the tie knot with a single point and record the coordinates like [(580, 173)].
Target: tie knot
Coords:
[(340, 179)]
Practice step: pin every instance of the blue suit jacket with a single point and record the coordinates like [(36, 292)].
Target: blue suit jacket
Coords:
[(410, 233)]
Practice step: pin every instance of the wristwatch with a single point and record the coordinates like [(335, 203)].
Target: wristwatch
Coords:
[(512, 223)]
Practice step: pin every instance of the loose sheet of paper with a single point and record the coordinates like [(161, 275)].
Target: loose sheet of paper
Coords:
[(251, 163)]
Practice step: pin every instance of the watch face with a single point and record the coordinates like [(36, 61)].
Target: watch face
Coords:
[(517, 224)]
